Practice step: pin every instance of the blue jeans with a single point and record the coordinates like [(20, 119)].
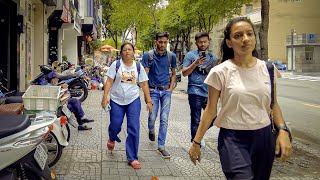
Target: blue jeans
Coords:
[(196, 103), (132, 112), (163, 98)]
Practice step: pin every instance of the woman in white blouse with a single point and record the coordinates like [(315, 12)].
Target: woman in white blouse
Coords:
[(124, 75), (246, 144)]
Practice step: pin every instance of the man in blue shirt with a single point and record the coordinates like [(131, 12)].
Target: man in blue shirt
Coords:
[(158, 63), (196, 65)]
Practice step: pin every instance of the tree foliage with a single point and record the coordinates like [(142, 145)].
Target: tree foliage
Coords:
[(144, 17), (206, 13)]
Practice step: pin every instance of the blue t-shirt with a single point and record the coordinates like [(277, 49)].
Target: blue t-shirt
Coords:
[(159, 72), (196, 83)]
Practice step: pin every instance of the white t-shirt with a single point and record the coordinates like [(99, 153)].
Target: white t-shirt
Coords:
[(245, 95), (124, 89)]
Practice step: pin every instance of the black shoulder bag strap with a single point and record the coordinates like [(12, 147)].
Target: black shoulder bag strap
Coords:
[(271, 75)]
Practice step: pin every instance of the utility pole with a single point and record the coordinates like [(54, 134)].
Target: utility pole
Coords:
[(292, 32)]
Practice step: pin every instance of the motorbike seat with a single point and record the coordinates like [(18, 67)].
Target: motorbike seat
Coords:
[(12, 108), (11, 124)]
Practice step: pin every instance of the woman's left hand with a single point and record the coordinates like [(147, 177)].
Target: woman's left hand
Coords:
[(283, 146), (149, 107)]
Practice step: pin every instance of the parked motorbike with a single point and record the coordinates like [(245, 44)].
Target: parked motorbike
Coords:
[(22, 154), (76, 85), (6, 95), (56, 140), (78, 88)]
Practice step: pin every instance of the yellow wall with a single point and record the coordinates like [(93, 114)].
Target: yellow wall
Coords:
[(303, 16)]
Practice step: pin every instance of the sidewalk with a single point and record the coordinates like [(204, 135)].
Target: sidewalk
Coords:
[(86, 157)]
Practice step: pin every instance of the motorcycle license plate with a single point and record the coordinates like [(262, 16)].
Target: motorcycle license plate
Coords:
[(66, 111), (41, 156)]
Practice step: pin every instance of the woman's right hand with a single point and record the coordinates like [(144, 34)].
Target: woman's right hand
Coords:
[(104, 102), (195, 153), (149, 107)]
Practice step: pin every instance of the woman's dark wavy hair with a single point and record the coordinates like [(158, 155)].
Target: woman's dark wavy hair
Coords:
[(226, 52), (126, 43)]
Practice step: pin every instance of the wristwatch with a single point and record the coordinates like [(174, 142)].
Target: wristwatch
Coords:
[(285, 128)]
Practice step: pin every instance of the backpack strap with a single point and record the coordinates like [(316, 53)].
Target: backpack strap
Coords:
[(138, 67), (150, 58), (271, 75), (169, 53), (151, 53), (117, 68)]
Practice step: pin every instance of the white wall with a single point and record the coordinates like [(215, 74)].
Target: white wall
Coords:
[(69, 45), (82, 8)]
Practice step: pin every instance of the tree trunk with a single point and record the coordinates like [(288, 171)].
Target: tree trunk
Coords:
[(263, 32), (176, 45), (136, 38), (187, 39)]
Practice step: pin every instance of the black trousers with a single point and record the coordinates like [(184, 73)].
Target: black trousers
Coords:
[(246, 154)]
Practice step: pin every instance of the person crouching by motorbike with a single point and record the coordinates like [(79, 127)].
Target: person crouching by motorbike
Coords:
[(73, 104)]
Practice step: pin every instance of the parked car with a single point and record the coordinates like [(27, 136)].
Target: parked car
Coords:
[(279, 65)]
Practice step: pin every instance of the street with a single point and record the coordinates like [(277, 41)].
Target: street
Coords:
[(300, 104), (86, 156)]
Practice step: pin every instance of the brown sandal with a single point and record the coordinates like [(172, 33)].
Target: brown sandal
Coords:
[(110, 144)]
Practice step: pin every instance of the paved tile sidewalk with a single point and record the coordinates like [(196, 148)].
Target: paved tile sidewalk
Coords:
[(87, 157)]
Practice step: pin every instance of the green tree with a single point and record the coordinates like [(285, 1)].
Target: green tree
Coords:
[(125, 16), (176, 20), (210, 12), (109, 31), (182, 16)]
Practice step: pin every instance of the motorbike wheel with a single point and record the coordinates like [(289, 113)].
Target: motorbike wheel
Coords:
[(80, 86), (54, 149)]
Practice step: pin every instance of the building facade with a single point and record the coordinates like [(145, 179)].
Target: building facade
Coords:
[(302, 16), (37, 32)]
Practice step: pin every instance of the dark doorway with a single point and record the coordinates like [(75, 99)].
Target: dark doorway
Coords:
[(8, 42), (54, 25)]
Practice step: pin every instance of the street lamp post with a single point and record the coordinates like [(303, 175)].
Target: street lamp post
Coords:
[(292, 32)]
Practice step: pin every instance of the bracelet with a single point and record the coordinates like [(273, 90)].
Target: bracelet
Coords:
[(196, 143), (148, 102)]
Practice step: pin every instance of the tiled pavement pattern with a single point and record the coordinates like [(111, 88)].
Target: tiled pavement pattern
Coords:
[(86, 157)]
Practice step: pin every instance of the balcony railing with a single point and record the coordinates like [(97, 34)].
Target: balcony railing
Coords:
[(302, 39)]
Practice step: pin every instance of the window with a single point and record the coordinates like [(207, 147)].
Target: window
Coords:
[(309, 53), (290, 1), (249, 9)]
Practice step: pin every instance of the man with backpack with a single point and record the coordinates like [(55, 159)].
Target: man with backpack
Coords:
[(196, 65), (158, 63)]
